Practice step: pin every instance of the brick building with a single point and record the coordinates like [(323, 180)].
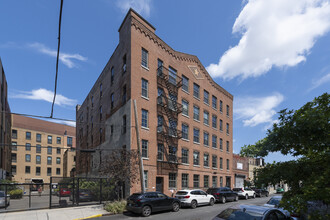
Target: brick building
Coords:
[(40, 150), (5, 127), (240, 169), (185, 118)]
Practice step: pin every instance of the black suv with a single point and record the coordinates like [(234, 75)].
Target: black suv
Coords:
[(145, 203), (223, 194), (261, 192)]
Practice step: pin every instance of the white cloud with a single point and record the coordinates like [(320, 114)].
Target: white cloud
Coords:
[(64, 57), (70, 123), (45, 95), (257, 110), (141, 6), (316, 83), (274, 33)]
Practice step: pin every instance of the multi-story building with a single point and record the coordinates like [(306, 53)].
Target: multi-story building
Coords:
[(39, 150), (240, 170), (5, 128), (185, 119)]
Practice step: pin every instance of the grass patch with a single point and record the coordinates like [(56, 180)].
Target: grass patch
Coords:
[(115, 207)]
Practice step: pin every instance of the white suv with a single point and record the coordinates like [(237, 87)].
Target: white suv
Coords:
[(245, 192), (194, 198)]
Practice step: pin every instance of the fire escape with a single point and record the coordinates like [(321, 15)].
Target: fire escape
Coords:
[(168, 110)]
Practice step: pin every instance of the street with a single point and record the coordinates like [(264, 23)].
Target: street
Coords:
[(200, 213)]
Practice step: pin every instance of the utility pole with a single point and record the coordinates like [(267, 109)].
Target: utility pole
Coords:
[(139, 148)]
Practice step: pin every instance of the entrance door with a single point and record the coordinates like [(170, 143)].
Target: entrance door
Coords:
[(159, 184)]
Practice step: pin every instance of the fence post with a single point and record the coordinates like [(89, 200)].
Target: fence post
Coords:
[(77, 194), (6, 193), (73, 191), (50, 192), (101, 191), (30, 195)]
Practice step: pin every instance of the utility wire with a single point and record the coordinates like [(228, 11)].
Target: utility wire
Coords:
[(57, 58)]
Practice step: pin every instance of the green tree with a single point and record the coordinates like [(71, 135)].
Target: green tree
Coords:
[(304, 133)]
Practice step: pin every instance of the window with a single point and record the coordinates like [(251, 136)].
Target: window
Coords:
[(112, 75), (206, 181), (38, 159), (112, 101), (58, 150), (92, 100), (196, 135), (144, 61), (220, 106), (101, 90), (69, 141), (58, 171), (14, 134), (58, 160), (27, 157), (185, 84), (214, 181), (14, 146), (123, 98), (160, 67), (124, 124), (221, 144), (145, 148), (100, 112), (196, 181), (13, 157), (196, 91), (227, 164), (28, 147), (172, 153), (214, 121), (28, 135), (145, 88), (49, 160), (221, 181), (206, 97), (221, 163), (185, 155), (172, 180), (27, 169), (124, 63), (206, 160), (185, 107), (58, 140), (196, 112), (145, 177), (49, 139), (196, 158), (38, 171), (101, 134), (185, 129), (38, 148), (184, 180), (227, 148), (49, 150), (13, 169), (214, 102), (206, 117), (38, 138), (160, 120), (172, 75), (144, 118), (214, 161), (214, 141), (160, 152), (206, 138), (227, 110), (221, 128), (227, 128), (49, 171)]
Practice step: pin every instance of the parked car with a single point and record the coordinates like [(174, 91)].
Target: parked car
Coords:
[(146, 203), (223, 194), (63, 192), (4, 199), (85, 195), (245, 192), (274, 203), (251, 212), (194, 198), (260, 192), (279, 190)]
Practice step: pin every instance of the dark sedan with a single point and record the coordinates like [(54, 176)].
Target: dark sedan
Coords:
[(223, 194), (145, 203), (261, 192)]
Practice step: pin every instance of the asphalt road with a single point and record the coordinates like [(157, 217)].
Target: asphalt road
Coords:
[(200, 213)]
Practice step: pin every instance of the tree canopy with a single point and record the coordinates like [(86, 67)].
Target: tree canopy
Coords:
[(303, 133)]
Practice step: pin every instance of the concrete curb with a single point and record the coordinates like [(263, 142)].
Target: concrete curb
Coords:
[(94, 216)]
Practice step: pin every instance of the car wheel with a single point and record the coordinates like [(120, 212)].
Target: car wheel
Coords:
[(236, 198), (246, 196), (223, 200), (146, 211), (267, 194), (211, 202), (175, 207), (193, 204), (254, 196)]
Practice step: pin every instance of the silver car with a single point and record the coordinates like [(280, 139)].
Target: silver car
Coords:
[(4, 199)]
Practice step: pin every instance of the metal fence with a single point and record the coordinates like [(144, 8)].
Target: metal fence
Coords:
[(59, 192)]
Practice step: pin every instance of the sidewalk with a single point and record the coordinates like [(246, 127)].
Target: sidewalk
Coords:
[(55, 214)]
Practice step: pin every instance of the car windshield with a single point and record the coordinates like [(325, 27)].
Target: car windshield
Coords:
[(210, 191), (135, 196), (274, 201), (2, 194), (238, 214), (182, 193), (237, 189)]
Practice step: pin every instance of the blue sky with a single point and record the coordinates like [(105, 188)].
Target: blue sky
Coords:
[(270, 55)]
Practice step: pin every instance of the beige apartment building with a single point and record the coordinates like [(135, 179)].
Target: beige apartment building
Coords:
[(185, 119), (38, 149)]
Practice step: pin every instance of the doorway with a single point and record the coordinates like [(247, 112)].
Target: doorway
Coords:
[(159, 184)]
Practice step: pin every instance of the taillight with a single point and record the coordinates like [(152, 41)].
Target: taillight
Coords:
[(187, 197), (295, 215), (138, 200), (242, 190), (218, 194)]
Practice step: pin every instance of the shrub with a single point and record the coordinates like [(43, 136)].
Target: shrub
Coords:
[(16, 194), (115, 207)]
